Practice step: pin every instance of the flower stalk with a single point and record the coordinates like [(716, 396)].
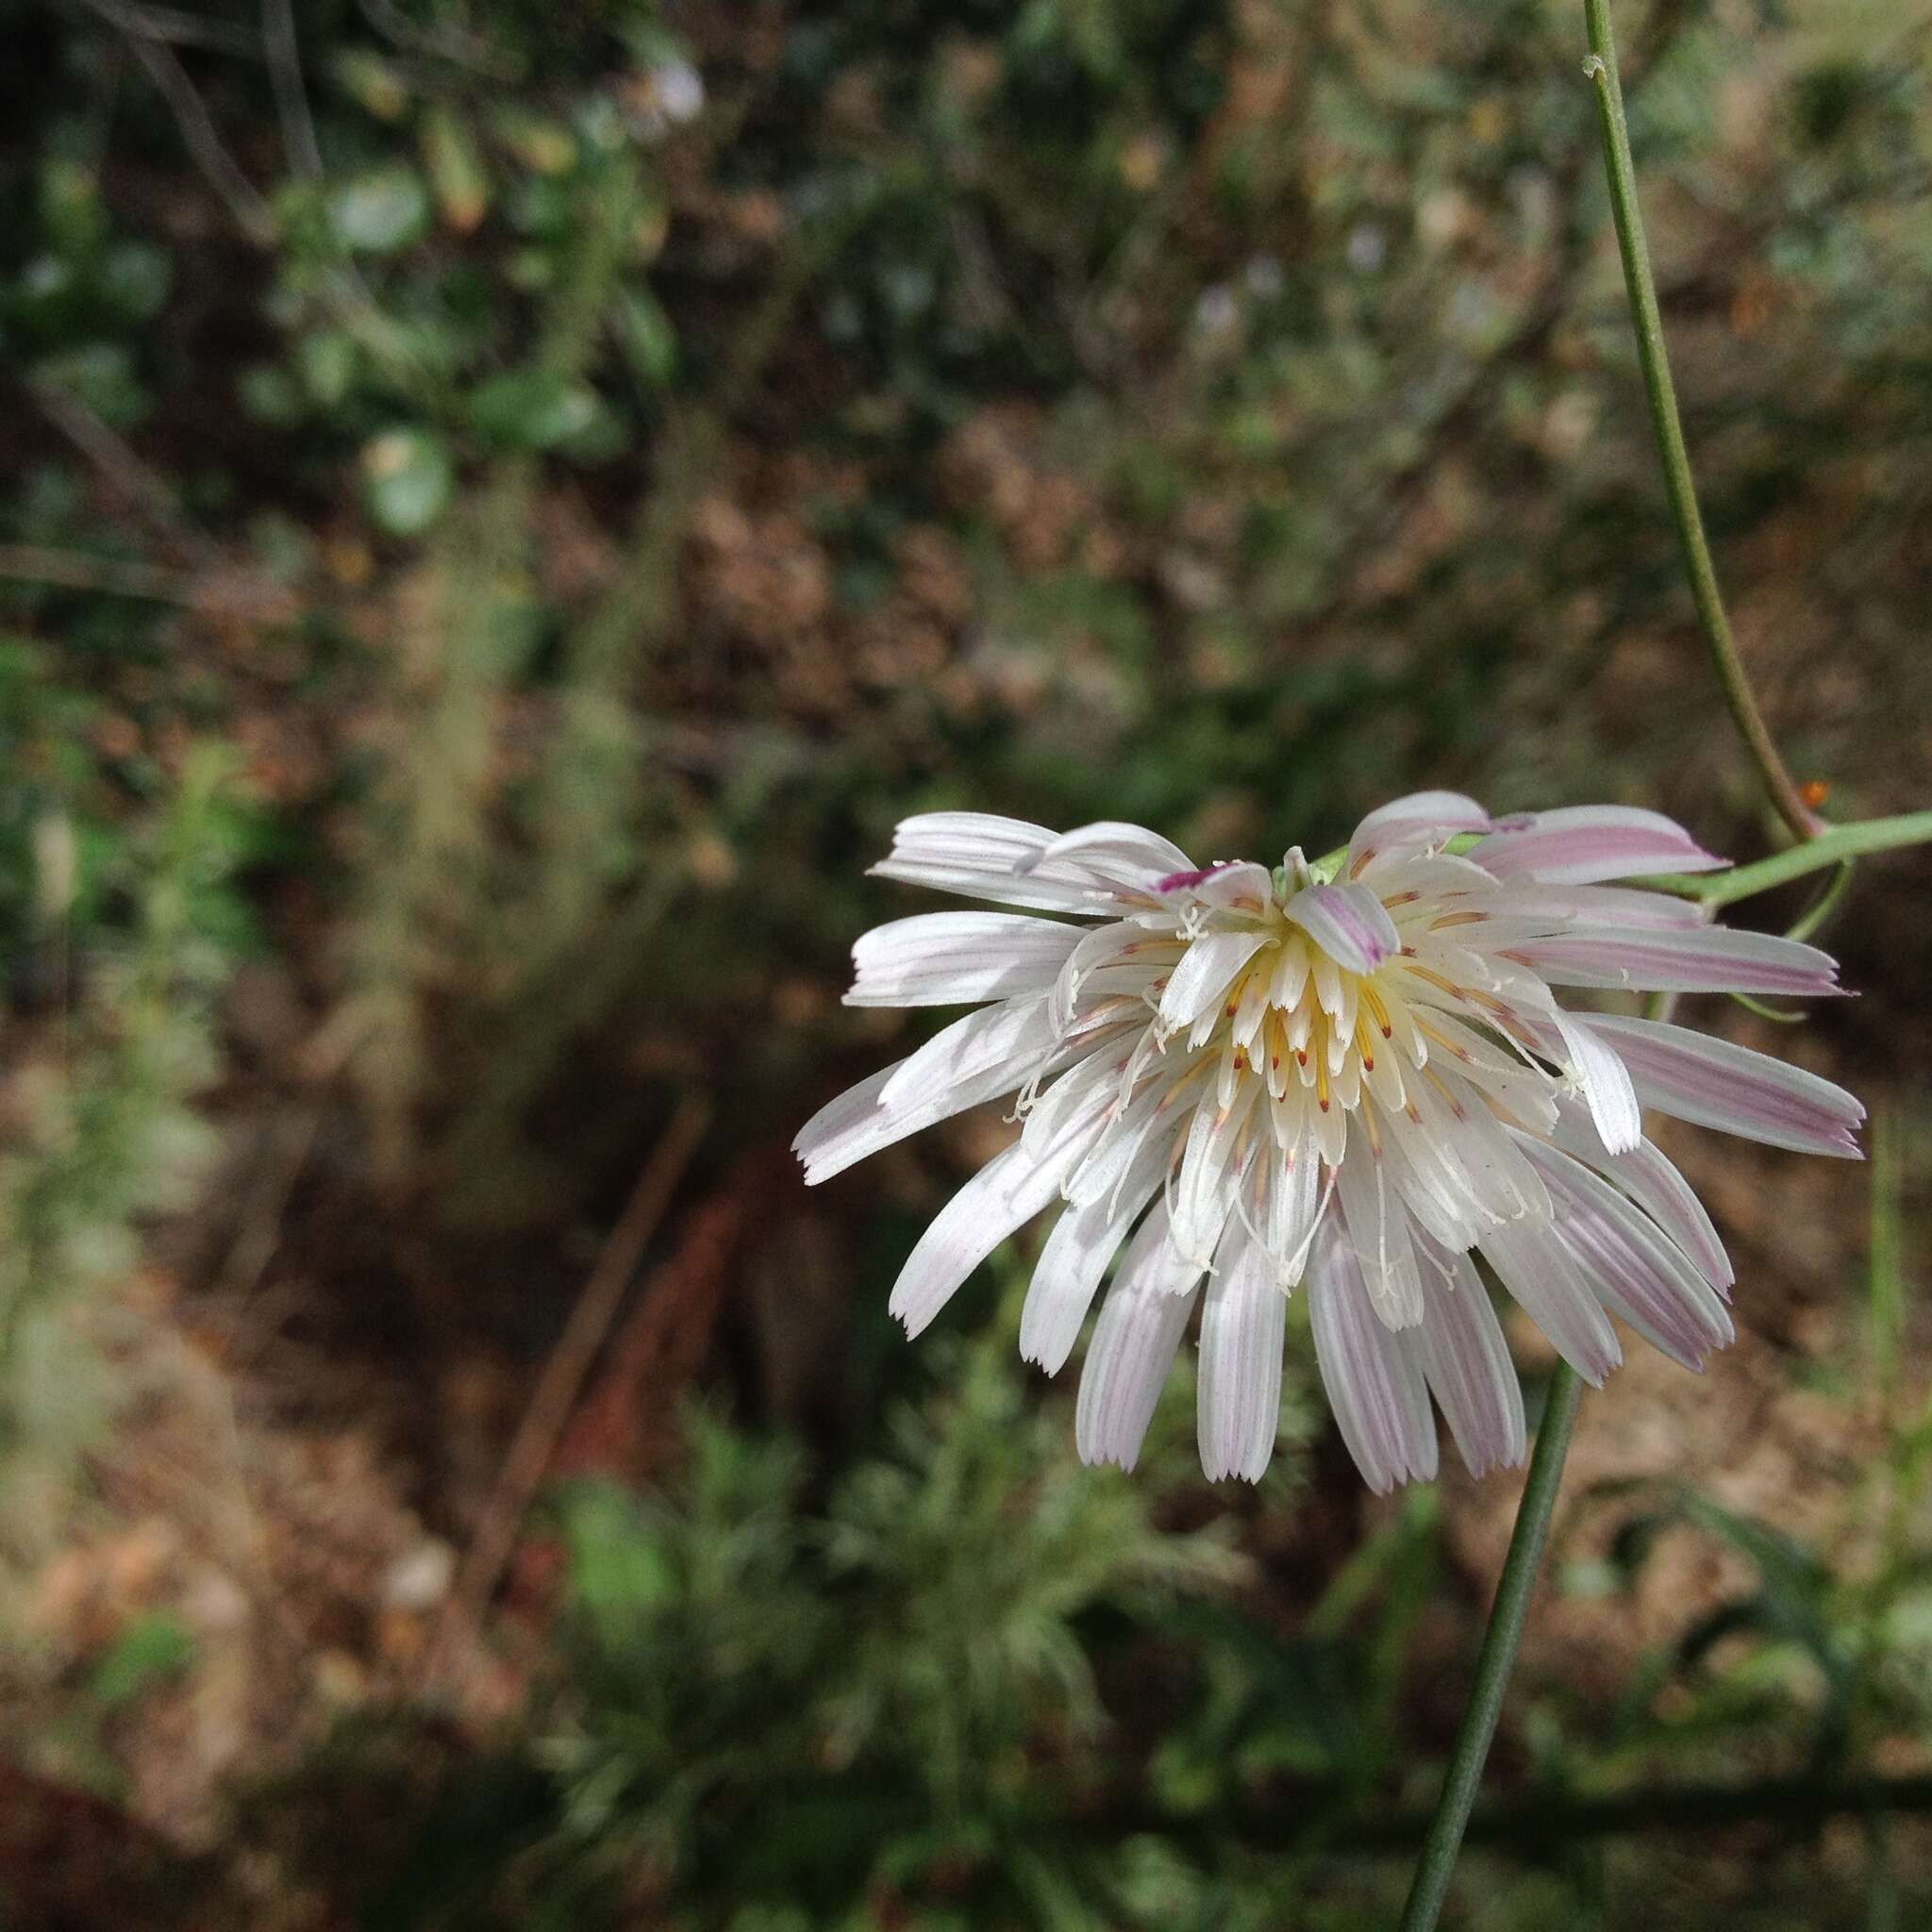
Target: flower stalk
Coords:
[(1816, 846), (1648, 321), (1518, 1585)]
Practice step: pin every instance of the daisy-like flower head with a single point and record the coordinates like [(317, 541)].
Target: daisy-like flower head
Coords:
[(1244, 1082)]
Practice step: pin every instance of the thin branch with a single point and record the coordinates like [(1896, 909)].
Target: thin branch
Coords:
[(141, 485), (563, 1374), (172, 23), (292, 98), (219, 168), (75, 570)]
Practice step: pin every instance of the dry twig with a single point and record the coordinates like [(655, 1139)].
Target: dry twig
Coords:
[(564, 1377)]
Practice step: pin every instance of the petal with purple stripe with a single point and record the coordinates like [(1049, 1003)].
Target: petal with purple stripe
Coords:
[(1579, 845), (1239, 1391), (1422, 818), (1133, 1348), (1348, 922), (1638, 1274), (1551, 1289), (1373, 1376), (1467, 1363), (1712, 959), (1712, 1083)]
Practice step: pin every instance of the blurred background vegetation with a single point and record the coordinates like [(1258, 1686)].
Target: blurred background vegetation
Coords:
[(501, 507)]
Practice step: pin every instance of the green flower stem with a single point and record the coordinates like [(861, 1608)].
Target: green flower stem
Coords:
[(1831, 847), (1651, 353), (1498, 1654)]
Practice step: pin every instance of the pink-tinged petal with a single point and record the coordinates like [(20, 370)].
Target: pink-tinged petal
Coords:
[(1712, 1083), (1006, 1043), (979, 856), (959, 959), (1422, 818), (1131, 855), (1650, 1179), (1134, 1342), (1607, 1089), (1239, 1386), (1349, 924), (1000, 1198), (1638, 1274), (1468, 1366), (1705, 959), (825, 1143), (1202, 1201), (1622, 906), (1201, 979), (1376, 1218), (968, 1069), (1067, 1277), (1551, 1289), (1581, 843), (1373, 1377), (1239, 886)]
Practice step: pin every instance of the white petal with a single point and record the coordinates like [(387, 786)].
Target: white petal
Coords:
[(1006, 1043), (1002, 1196), (1703, 960), (1607, 1084), (1373, 1377), (1638, 1274), (1242, 888), (1543, 1276), (1239, 1392), (1067, 1277), (1581, 843), (1203, 1197), (1468, 1365), (959, 959), (1132, 855), (1422, 818), (1292, 1203), (1647, 1176), (1202, 978), (1625, 906), (1376, 1218), (1712, 1083), (825, 1143), (1349, 924), (983, 857), (1133, 1348)]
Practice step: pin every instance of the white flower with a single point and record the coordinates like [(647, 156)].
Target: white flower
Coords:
[(1242, 1082)]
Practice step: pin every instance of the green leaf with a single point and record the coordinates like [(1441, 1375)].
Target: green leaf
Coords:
[(380, 210), (457, 174), (135, 279), (327, 362), (650, 343), (372, 83), (406, 480), (102, 376), (531, 408), (151, 1649), (270, 395)]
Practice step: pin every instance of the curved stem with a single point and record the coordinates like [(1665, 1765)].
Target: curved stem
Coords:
[(1832, 845), (1498, 1654), (1651, 353)]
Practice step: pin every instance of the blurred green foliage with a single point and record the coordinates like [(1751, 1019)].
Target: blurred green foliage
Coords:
[(502, 508)]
